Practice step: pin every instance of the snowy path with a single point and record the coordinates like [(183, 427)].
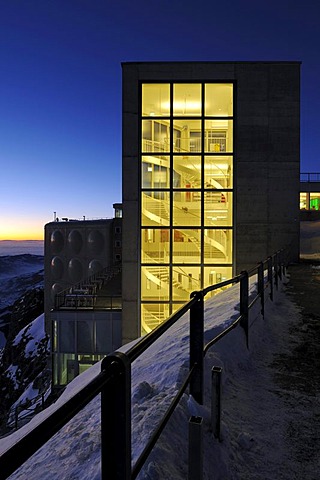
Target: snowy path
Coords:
[(298, 372), (270, 409), (272, 404)]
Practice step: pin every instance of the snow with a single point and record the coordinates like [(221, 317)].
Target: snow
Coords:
[(11, 373), (29, 397), (18, 265), (255, 412), (32, 334), (19, 273), (310, 240), (2, 341)]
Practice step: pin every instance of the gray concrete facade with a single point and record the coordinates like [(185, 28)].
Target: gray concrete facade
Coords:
[(266, 162), (75, 250)]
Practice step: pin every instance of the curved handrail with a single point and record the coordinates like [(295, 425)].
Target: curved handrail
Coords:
[(114, 384)]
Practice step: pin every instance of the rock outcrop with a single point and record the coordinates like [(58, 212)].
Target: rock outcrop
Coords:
[(23, 364)]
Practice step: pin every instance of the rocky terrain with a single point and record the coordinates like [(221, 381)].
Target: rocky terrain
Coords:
[(18, 274), (23, 362), (24, 347)]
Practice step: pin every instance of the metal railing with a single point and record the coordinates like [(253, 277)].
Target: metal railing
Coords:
[(24, 412), (114, 380), (309, 177), (84, 293), (86, 301)]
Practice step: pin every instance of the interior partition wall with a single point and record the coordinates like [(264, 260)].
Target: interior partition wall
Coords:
[(186, 192)]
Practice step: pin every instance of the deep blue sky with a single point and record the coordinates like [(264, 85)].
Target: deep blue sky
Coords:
[(60, 88)]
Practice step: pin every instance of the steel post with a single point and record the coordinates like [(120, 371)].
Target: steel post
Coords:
[(280, 264), (276, 267), (195, 448), (244, 304), (216, 401), (270, 277), (261, 286), (196, 347), (116, 419)]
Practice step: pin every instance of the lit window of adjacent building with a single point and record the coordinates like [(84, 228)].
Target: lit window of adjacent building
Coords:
[(186, 155), (314, 201), (303, 201), (309, 201)]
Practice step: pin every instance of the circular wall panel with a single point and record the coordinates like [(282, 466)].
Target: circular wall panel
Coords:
[(95, 242), (94, 267), (57, 268), (55, 289), (57, 241), (75, 241), (75, 270)]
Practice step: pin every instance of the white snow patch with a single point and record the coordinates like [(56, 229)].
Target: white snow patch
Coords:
[(11, 373), (34, 332), (254, 416)]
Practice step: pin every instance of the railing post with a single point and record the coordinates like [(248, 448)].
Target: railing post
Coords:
[(116, 419), (196, 347), (195, 448), (216, 401), (280, 264), (270, 277), (261, 286), (276, 273), (244, 303), (283, 264)]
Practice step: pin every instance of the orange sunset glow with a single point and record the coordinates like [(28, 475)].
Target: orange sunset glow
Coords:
[(21, 229)]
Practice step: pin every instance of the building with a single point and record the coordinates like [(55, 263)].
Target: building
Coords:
[(211, 162), (309, 194), (82, 292)]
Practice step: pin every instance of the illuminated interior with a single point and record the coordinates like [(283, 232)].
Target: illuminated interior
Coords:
[(186, 193), (309, 201)]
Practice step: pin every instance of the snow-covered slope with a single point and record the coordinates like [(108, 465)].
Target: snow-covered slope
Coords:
[(254, 415), (19, 273), (23, 374)]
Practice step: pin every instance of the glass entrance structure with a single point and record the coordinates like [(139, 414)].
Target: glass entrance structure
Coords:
[(186, 193), (210, 178)]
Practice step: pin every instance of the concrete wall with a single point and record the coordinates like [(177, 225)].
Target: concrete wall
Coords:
[(311, 187), (74, 250), (266, 162)]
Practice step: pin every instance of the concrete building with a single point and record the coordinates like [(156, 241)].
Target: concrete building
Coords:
[(82, 292), (211, 162)]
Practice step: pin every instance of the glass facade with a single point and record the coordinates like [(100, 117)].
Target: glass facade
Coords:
[(186, 193), (81, 339)]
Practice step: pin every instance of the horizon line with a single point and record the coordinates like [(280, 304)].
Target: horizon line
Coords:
[(22, 240)]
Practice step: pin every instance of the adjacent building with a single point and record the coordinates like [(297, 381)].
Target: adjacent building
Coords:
[(309, 191), (211, 162), (82, 292)]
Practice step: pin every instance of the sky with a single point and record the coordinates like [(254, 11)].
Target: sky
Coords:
[(265, 430), (60, 88)]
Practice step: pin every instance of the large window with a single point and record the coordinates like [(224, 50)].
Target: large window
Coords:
[(186, 193), (309, 201), (80, 340)]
